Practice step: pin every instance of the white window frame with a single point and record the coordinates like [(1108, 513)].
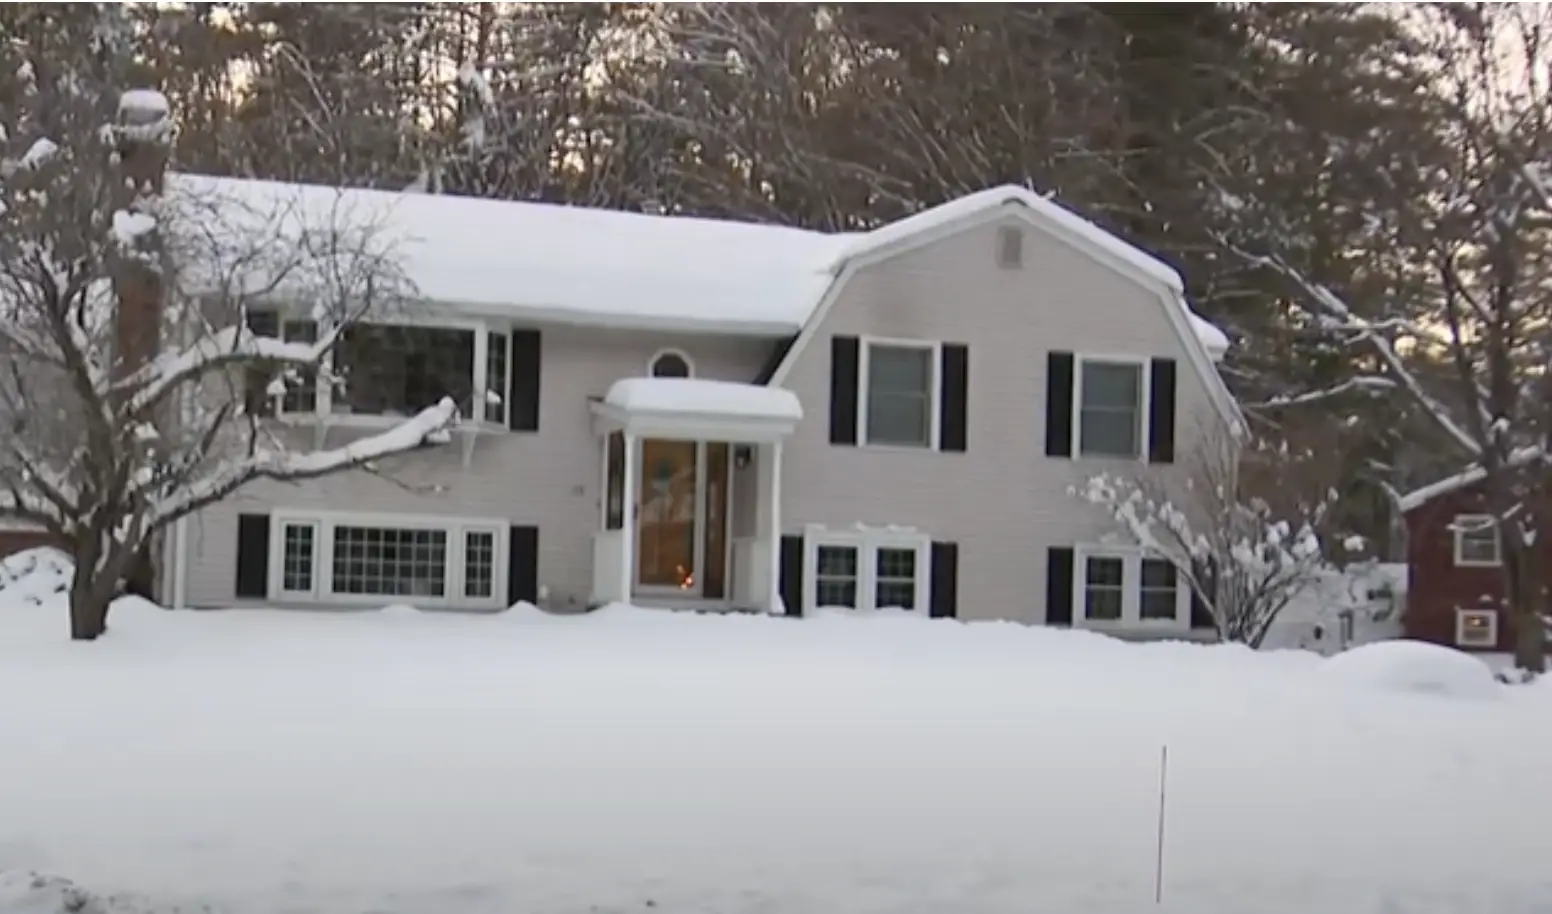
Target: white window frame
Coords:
[(1144, 404), (934, 350), (1461, 525), (689, 363), (324, 410), (324, 524), (867, 542), (464, 532), (1463, 615), (1131, 592), (482, 373), (278, 557)]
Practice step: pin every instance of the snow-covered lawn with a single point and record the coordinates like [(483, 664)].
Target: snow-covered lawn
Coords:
[(271, 762)]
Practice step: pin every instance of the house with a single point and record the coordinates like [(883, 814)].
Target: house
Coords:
[(697, 413), (1455, 591)]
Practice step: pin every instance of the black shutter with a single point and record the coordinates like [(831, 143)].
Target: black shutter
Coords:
[(1161, 411), (1201, 616), (954, 423), (945, 581), (253, 555), (792, 574), (844, 352), (1058, 586), (523, 399), (1058, 404), (522, 564)]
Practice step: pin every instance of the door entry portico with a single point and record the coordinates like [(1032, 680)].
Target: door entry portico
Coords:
[(666, 532)]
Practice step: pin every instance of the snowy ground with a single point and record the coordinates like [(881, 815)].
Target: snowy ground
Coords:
[(274, 763)]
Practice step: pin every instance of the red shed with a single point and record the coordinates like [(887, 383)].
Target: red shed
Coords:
[(1455, 591)]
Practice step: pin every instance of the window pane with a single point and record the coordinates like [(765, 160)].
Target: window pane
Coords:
[(387, 561), (897, 563), (398, 371), (1158, 573), (837, 560), (900, 369), (479, 564), (301, 382), (900, 419), (895, 595), (1108, 434), (837, 593), (496, 378), (1109, 385), (1103, 604), (1105, 571), (1159, 603), (297, 561), (670, 365), (895, 574), (835, 575)]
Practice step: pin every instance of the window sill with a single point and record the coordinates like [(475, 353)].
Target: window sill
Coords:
[(1464, 564), (899, 448)]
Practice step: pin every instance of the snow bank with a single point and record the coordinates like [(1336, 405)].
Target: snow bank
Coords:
[(628, 760), (1415, 666), (701, 397)]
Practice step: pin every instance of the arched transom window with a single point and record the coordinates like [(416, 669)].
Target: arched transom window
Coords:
[(671, 364)]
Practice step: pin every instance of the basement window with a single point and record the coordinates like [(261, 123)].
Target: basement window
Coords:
[(1476, 628)]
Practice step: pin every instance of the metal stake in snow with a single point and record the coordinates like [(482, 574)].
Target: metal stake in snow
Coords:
[(1158, 863)]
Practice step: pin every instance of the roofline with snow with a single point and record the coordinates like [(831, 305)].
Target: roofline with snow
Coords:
[(1465, 479), (1058, 222)]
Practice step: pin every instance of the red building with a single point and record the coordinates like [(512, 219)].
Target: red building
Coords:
[(1455, 592)]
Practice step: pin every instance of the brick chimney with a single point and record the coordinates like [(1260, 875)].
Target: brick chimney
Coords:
[(144, 137)]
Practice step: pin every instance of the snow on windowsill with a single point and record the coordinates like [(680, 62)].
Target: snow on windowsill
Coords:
[(700, 397)]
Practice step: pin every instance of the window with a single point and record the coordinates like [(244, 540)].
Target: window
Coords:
[(1010, 247), (1476, 628), (1160, 598), (368, 559), (1126, 588), (899, 394), (894, 582), (1104, 588), (836, 576), (301, 394), (390, 561), (399, 371), (1110, 409), (496, 377), (298, 554), (479, 564), (865, 569), (1476, 540), (671, 364)]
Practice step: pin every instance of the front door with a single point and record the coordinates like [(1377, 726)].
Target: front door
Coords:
[(668, 516), (681, 518)]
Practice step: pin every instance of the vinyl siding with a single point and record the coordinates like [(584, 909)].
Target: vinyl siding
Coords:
[(550, 479), (1003, 501)]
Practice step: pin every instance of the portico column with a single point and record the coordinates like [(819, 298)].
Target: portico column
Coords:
[(628, 524), (772, 494)]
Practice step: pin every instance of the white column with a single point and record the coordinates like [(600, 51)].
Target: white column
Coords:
[(628, 524), (771, 492)]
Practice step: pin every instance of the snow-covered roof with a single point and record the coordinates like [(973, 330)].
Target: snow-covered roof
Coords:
[(701, 397), (578, 265), (570, 264), (971, 205), (1462, 480)]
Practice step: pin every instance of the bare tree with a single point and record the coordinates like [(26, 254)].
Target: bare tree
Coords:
[(1244, 556), (122, 334)]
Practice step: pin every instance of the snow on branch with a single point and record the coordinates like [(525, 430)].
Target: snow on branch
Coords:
[(426, 427)]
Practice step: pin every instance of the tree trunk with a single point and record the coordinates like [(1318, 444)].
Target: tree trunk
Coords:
[(88, 609), (1527, 608)]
